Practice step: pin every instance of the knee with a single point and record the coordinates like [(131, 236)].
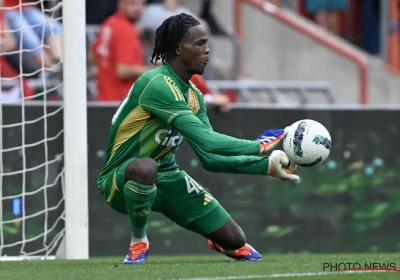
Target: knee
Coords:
[(142, 171)]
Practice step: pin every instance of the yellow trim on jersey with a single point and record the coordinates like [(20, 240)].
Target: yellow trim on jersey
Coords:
[(175, 90), (131, 125), (135, 189), (193, 102), (163, 152), (114, 187), (172, 90), (194, 86)]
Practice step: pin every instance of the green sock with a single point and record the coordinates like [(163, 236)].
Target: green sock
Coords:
[(139, 199)]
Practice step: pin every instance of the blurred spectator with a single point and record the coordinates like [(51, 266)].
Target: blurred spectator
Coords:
[(220, 101), (30, 25), (8, 42), (207, 15), (155, 14), (118, 52), (7, 72), (326, 13)]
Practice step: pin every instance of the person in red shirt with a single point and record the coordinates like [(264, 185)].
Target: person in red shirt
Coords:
[(219, 100), (118, 52)]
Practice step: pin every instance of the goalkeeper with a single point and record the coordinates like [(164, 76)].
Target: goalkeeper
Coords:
[(161, 109)]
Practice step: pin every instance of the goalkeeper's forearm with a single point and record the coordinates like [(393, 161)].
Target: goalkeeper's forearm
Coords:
[(209, 141), (252, 165)]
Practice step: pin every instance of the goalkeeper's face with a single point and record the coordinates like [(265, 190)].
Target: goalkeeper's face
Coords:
[(193, 50)]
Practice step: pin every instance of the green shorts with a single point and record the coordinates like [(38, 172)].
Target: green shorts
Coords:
[(179, 198)]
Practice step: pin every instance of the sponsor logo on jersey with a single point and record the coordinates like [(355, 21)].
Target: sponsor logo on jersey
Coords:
[(166, 137)]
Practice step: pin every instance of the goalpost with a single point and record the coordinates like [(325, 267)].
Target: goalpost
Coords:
[(43, 144)]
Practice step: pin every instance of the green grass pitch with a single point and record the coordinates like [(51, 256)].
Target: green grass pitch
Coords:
[(213, 267)]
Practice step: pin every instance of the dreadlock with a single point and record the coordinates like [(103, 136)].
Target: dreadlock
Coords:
[(169, 34)]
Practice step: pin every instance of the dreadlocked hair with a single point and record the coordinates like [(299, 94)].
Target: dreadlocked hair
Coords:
[(169, 34)]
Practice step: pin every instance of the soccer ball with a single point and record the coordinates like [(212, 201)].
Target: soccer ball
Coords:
[(307, 143)]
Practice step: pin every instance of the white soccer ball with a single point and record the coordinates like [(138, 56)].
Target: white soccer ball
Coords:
[(307, 143)]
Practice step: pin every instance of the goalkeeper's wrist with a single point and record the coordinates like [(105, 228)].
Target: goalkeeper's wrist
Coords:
[(262, 167)]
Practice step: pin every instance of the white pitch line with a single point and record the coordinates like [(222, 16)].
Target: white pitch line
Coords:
[(277, 275)]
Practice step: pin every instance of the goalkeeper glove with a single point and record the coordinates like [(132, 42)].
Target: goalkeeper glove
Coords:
[(281, 167), (270, 139)]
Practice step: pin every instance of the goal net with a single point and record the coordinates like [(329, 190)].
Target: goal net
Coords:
[(43, 141)]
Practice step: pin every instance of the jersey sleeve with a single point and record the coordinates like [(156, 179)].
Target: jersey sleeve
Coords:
[(162, 98), (250, 165), (239, 164), (204, 119), (198, 131), (200, 135)]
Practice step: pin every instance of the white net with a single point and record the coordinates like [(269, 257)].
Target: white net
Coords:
[(31, 128)]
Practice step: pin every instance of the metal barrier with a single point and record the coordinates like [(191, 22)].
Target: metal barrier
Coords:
[(274, 88), (244, 89)]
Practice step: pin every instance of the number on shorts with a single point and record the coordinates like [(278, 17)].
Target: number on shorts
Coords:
[(192, 185)]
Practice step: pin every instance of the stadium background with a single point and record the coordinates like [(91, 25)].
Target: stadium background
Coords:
[(347, 204), (353, 194)]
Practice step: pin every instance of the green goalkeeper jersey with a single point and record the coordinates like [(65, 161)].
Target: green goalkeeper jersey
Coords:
[(161, 110)]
